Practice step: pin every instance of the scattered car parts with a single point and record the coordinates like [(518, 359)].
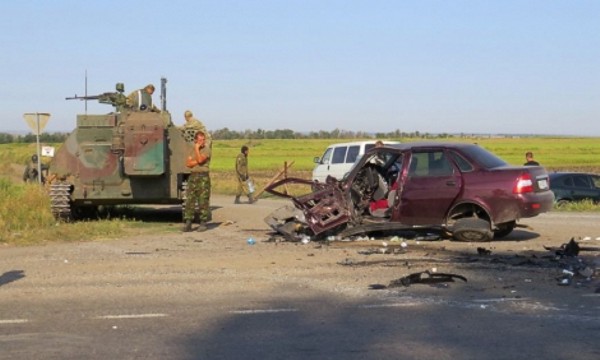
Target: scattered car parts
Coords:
[(423, 277)]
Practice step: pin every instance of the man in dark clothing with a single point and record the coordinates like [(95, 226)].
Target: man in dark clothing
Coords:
[(530, 161)]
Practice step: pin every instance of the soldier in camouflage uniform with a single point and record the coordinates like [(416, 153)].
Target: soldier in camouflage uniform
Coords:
[(31, 170), (198, 184), (241, 169), (193, 124), (142, 99)]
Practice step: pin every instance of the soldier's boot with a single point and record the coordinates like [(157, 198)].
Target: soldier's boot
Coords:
[(188, 226), (251, 199), (237, 200)]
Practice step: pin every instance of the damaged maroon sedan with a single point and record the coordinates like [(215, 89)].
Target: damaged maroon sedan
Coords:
[(462, 190)]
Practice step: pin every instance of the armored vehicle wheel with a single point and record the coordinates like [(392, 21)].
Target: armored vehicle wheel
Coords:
[(60, 200), (472, 230)]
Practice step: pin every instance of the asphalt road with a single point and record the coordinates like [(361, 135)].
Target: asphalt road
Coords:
[(211, 296)]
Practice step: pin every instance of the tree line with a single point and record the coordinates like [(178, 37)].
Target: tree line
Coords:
[(227, 134), (57, 137)]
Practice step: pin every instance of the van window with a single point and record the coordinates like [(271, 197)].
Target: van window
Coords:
[(327, 156), (352, 154), (339, 155)]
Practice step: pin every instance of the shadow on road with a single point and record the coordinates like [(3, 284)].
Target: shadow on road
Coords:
[(11, 276), (321, 328), (145, 213)]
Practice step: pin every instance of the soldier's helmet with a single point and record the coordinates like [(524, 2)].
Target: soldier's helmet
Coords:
[(34, 158)]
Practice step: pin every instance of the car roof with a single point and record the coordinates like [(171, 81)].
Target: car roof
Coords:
[(568, 173), (432, 144), (354, 143)]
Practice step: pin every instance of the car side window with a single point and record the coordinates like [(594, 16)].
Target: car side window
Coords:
[(596, 181), (339, 155), (581, 181), (418, 165), (568, 181), (463, 164), (353, 152), (327, 156), (439, 165), (431, 163)]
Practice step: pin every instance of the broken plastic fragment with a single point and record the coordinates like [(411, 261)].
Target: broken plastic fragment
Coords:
[(564, 281)]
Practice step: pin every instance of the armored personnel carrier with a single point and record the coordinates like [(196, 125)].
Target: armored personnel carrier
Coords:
[(132, 155)]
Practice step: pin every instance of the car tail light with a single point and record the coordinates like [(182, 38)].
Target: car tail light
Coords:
[(523, 184)]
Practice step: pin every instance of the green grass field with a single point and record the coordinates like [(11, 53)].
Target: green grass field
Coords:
[(269, 155), (553, 153)]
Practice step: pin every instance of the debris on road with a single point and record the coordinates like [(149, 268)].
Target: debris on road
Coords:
[(572, 248), (569, 249), (571, 263), (483, 251), (423, 277), (385, 250)]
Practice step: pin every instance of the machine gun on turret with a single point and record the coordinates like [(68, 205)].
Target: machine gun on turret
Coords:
[(116, 99)]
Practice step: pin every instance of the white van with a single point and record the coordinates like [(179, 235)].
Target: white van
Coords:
[(338, 159)]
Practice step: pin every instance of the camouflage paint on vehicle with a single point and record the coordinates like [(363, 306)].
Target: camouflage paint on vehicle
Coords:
[(128, 156)]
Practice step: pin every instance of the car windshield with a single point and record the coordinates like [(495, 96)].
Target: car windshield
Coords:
[(483, 157)]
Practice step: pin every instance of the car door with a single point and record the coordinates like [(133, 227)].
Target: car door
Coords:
[(429, 187)]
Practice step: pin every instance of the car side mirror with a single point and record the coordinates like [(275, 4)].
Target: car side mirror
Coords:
[(317, 159)]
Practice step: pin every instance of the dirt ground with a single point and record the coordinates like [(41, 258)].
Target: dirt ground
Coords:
[(203, 281), (518, 266), (519, 261)]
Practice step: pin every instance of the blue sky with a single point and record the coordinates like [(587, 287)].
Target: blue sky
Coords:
[(429, 66)]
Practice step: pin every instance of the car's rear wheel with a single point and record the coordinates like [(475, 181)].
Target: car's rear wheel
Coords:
[(562, 202), (472, 230), (504, 229)]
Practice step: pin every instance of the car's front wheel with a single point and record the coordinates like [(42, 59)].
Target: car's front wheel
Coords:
[(472, 230)]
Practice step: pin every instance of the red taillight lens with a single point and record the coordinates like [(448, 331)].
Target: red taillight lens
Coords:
[(523, 184)]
